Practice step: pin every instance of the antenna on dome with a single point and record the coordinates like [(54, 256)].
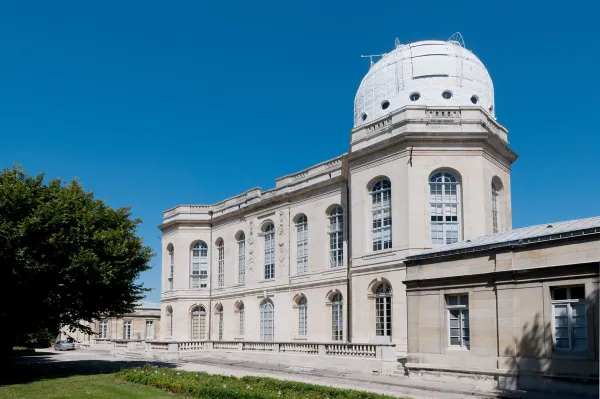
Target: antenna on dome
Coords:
[(457, 39), (397, 43), (370, 56)]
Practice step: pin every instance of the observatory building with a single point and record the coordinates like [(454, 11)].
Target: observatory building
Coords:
[(404, 240)]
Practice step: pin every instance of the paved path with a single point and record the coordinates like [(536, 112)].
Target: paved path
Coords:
[(84, 361)]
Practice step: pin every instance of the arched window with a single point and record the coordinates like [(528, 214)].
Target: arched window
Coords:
[(302, 317), (444, 203), (336, 237), (302, 244), (170, 321), (171, 265), (381, 195), (267, 321), (240, 309), (269, 251), (241, 241), (198, 323), (337, 319), (221, 262), (199, 267), (495, 194), (219, 314), (383, 310)]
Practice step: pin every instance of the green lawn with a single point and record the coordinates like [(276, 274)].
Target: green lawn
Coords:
[(98, 386)]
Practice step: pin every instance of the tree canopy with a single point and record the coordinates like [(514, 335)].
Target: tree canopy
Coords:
[(65, 256)]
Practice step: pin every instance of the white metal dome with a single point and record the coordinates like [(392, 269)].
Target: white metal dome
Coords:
[(432, 73)]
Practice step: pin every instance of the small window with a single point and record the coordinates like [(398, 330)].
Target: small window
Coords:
[(415, 97), (302, 317), (569, 318), (474, 99), (385, 104), (149, 329), (447, 95), (363, 117), (491, 108), (127, 330), (458, 321)]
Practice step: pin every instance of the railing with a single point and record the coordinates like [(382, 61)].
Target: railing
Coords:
[(311, 349), (226, 345), (355, 350), (260, 346), (191, 346), (339, 356), (159, 346)]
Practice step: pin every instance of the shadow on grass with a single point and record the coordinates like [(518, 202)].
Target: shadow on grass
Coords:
[(24, 369), (32, 353)]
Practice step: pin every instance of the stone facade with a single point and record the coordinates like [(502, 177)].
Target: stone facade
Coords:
[(513, 333), (405, 149), (337, 253), (143, 324)]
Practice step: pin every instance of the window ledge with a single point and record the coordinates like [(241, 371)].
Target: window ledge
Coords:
[(301, 275), (266, 281), (238, 285), (299, 338), (457, 349), (570, 354), (380, 254), (333, 270)]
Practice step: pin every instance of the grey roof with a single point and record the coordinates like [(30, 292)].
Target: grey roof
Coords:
[(525, 235), (147, 305)]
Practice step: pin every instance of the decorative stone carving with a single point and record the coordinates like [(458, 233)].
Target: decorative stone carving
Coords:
[(282, 253), (280, 229), (251, 232)]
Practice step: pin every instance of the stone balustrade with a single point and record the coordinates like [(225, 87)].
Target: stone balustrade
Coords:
[(344, 357)]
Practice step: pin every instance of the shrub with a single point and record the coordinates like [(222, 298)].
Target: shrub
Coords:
[(205, 386)]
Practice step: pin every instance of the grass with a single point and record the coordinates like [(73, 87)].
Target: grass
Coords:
[(209, 386), (98, 386)]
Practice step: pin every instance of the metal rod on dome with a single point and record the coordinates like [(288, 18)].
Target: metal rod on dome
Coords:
[(370, 56)]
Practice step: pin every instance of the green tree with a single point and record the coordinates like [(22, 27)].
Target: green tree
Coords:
[(65, 257)]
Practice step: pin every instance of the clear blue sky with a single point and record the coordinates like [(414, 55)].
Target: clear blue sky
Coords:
[(153, 104)]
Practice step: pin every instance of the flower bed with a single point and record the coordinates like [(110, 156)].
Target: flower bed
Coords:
[(204, 385)]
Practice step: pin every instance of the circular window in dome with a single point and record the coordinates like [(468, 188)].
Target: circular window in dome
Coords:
[(415, 97), (363, 116), (474, 99), (385, 104), (447, 95), (491, 108)]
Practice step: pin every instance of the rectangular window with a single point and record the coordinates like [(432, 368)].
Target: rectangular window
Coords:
[(171, 269), (382, 217), (569, 318), (302, 245), (337, 326), (336, 238), (270, 256), (241, 326), (444, 209), (241, 260), (221, 265), (104, 329), (302, 320), (199, 277), (127, 330), (149, 329), (458, 321), (495, 195)]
